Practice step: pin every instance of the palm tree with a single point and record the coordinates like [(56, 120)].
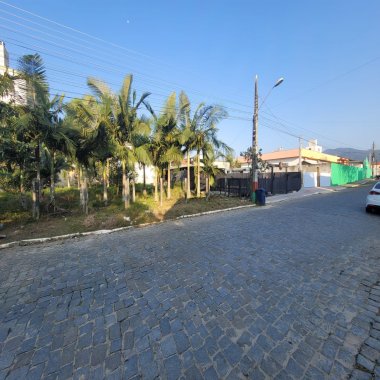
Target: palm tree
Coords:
[(57, 140), (166, 145), (79, 118), (209, 168), (200, 133), (130, 133), (35, 119), (186, 136), (102, 114)]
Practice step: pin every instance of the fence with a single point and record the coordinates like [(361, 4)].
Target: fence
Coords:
[(239, 184), (342, 174)]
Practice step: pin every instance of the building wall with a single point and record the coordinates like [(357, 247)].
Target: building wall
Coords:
[(325, 179), (342, 174), (309, 179), (149, 174), (19, 94)]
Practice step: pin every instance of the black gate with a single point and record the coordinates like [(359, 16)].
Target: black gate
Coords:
[(239, 184)]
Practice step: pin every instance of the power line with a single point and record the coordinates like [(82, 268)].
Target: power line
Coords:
[(147, 58), (123, 48)]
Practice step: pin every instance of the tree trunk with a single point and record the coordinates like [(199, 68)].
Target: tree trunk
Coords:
[(80, 186), (125, 184), (161, 191), (37, 184), (156, 184), (36, 203), (133, 192), (85, 196), (188, 190), (52, 181), (108, 173), (208, 188), (105, 192), (198, 175), (169, 184), (22, 189), (83, 192), (144, 180), (79, 176)]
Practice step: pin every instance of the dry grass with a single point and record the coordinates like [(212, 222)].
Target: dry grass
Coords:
[(18, 224)]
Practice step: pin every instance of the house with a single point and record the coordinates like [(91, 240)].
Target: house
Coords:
[(311, 161), (375, 166), (316, 167), (18, 95), (146, 174)]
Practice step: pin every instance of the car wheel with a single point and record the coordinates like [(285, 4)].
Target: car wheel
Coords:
[(368, 209)]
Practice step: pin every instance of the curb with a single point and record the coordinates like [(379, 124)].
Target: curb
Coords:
[(27, 242)]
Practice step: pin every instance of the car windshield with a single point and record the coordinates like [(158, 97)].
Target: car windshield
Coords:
[(377, 186)]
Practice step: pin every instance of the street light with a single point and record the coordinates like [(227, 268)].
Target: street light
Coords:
[(255, 180)]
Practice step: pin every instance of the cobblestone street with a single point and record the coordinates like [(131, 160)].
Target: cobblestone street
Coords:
[(287, 291)]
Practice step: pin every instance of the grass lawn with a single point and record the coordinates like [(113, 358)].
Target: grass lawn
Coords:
[(19, 225)]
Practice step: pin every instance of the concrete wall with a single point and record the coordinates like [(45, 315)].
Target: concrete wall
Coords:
[(309, 179), (325, 179), (18, 96), (149, 174)]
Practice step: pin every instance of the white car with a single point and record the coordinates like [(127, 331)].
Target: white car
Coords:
[(373, 198)]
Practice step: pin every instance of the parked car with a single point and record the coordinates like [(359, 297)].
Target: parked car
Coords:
[(373, 198)]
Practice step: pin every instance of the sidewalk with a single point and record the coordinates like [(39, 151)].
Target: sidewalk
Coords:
[(304, 192)]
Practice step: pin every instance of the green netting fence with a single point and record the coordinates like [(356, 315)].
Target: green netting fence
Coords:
[(342, 174)]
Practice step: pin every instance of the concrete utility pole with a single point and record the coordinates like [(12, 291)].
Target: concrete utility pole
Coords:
[(254, 158), (300, 159), (255, 178)]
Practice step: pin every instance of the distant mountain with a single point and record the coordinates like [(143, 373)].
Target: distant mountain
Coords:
[(353, 154)]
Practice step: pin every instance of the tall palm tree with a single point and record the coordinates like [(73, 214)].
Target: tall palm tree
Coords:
[(200, 133), (166, 145), (186, 136), (35, 119), (57, 140), (102, 117), (130, 133), (79, 118)]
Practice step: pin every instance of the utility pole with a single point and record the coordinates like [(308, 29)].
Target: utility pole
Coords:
[(255, 179), (300, 159)]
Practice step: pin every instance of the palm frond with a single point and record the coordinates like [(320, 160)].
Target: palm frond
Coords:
[(125, 92), (99, 88)]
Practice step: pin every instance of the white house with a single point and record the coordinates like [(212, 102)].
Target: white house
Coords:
[(314, 165), (18, 96)]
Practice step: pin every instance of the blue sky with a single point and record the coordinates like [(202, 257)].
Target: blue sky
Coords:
[(327, 51)]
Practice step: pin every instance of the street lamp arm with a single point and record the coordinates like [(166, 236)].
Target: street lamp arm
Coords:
[(278, 82)]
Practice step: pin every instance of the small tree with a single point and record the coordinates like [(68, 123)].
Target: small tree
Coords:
[(261, 164)]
